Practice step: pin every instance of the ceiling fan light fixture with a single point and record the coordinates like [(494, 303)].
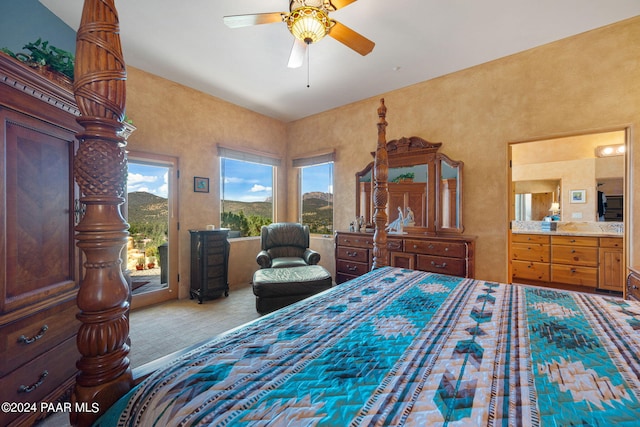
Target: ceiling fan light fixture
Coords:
[(308, 24)]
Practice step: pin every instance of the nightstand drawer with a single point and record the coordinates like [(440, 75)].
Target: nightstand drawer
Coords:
[(584, 276)]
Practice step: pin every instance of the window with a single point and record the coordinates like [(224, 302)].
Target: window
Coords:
[(246, 191), (316, 192)]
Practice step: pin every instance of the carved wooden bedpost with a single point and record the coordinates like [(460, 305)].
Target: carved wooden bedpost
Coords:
[(100, 170), (380, 192)]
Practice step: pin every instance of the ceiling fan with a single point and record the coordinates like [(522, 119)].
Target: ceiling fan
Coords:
[(309, 22)]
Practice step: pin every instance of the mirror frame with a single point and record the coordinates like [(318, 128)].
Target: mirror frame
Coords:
[(405, 152)]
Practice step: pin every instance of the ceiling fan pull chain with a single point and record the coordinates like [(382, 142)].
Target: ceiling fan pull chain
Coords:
[(308, 62)]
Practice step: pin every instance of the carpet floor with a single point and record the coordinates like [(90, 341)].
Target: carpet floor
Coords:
[(162, 329)]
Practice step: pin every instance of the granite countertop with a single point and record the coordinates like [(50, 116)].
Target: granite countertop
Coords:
[(587, 229), (568, 233)]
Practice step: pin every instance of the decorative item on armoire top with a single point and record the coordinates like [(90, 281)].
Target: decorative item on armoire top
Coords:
[(200, 184), (55, 64)]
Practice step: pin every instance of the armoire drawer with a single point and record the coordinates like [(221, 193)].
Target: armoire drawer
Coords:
[(31, 336), (444, 265), (38, 378)]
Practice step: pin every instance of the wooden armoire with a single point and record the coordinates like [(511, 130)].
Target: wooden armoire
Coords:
[(39, 260)]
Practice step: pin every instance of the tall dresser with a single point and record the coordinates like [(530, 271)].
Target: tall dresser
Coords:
[(40, 269), (209, 264)]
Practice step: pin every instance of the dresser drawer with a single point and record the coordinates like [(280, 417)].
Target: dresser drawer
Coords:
[(530, 252), (394, 245), (38, 378), (352, 254), (633, 285), (27, 338), (585, 276), (530, 238), (355, 241), (446, 249), (575, 255), (574, 241), (444, 265), (352, 268), (530, 271)]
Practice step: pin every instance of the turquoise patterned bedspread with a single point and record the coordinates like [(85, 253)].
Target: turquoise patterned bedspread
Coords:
[(402, 347)]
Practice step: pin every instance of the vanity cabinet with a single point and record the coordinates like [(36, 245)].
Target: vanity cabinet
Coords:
[(453, 255), (611, 270), (530, 257), (560, 260), (574, 260)]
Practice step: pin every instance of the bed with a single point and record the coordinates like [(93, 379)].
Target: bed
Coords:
[(403, 347), (392, 347)]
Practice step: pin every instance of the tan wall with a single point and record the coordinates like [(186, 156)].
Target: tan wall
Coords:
[(174, 120), (582, 84), (586, 83)]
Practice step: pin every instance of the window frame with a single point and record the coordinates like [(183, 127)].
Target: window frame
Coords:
[(248, 156), (313, 161)]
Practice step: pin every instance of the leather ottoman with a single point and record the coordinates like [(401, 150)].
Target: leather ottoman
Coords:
[(275, 288)]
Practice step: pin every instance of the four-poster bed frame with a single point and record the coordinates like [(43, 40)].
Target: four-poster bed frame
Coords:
[(100, 171), (395, 346)]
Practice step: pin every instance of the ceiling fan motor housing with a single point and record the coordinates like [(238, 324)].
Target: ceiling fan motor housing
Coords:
[(309, 24)]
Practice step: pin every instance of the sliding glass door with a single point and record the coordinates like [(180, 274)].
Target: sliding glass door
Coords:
[(151, 211)]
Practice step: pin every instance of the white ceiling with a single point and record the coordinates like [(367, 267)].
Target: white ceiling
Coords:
[(416, 40)]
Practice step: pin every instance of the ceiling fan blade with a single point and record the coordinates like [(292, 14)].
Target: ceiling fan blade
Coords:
[(351, 39), (237, 21), (339, 4), (297, 53)]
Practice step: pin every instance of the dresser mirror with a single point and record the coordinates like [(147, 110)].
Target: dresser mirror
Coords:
[(427, 205)]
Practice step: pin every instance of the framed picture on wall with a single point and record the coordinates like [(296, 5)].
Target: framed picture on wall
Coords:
[(578, 196), (200, 184)]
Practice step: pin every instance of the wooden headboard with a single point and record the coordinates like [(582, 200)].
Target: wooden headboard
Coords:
[(100, 170)]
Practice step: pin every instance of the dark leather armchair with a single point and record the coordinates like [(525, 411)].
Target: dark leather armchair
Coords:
[(286, 244)]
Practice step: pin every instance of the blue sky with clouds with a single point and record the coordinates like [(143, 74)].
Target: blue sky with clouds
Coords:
[(151, 179), (246, 182)]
